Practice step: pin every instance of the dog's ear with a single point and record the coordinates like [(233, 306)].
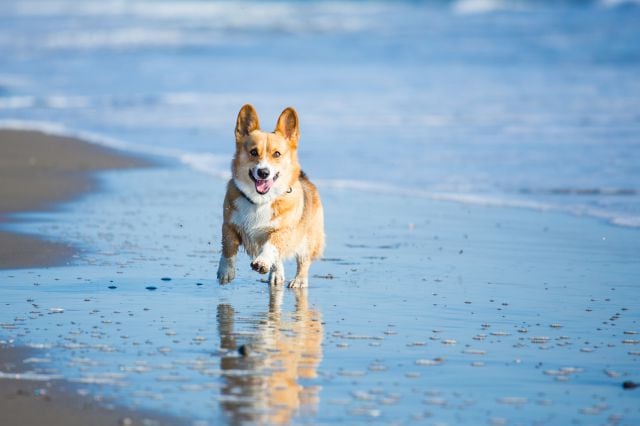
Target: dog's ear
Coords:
[(288, 125), (247, 122)]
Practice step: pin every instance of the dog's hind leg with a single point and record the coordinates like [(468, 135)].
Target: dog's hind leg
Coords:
[(301, 280)]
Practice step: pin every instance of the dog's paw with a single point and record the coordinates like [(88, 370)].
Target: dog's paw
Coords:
[(226, 276), (276, 276), (226, 271), (260, 266), (299, 282)]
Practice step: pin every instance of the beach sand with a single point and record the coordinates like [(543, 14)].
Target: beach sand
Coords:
[(40, 401), (36, 172)]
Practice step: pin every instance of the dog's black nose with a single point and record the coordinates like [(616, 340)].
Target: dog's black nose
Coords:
[(263, 173)]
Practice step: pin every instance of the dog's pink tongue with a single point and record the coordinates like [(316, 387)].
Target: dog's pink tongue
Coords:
[(263, 186)]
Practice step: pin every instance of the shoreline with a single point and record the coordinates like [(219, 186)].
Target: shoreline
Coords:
[(407, 298), (45, 399), (39, 171)]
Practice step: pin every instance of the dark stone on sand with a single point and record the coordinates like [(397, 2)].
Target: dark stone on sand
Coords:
[(244, 350), (151, 287), (630, 385), (324, 277)]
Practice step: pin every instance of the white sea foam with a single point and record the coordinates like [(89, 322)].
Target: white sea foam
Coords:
[(218, 166), (246, 14), (616, 3), (123, 38), (211, 164), (190, 23), (17, 102), (29, 376), (467, 7), (56, 129)]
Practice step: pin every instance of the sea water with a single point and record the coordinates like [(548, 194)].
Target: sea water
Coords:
[(422, 311), (525, 103)]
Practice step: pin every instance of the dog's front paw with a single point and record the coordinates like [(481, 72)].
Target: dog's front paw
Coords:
[(266, 259), (226, 270), (299, 282), (260, 266)]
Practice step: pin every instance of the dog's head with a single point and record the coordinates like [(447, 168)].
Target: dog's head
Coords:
[(266, 163)]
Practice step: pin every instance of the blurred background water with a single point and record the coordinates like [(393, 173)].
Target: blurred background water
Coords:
[(520, 103)]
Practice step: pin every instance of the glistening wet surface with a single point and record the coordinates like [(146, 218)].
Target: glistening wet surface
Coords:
[(420, 311)]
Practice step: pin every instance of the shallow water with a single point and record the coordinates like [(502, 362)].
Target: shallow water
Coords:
[(420, 311), (423, 309), (523, 103)]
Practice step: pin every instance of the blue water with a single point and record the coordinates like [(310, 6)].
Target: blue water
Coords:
[(531, 104), (422, 311), (433, 313)]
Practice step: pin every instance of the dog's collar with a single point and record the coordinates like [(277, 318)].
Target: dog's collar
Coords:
[(289, 191), (242, 192)]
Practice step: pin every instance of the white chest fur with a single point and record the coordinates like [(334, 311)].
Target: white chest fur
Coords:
[(254, 220)]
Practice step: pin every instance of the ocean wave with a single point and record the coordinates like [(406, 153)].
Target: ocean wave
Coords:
[(471, 7), (218, 166), (468, 7), (133, 37), (30, 376), (617, 3), (134, 25), (290, 17), (211, 164), (57, 129), (489, 200)]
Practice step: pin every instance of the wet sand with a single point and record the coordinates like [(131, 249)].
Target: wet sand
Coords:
[(36, 172), (433, 313), (421, 312), (39, 400)]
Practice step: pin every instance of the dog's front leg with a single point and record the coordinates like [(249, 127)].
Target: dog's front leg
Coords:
[(230, 243), (276, 275), (268, 257), (270, 260)]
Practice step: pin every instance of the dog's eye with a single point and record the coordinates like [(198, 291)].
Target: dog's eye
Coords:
[(276, 154), (254, 152)]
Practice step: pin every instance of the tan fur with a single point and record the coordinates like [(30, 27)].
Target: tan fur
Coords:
[(283, 223)]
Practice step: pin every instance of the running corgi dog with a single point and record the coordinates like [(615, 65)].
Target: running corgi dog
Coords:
[(270, 208)]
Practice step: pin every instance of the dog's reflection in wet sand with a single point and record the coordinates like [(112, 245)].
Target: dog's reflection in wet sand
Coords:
[(264, 382)]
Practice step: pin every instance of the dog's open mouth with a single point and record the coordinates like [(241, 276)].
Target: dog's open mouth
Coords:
[(263, 185)]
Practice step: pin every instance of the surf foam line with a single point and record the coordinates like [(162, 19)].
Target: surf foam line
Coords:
[(628, 221), (207, 163), (218, 166), (57, 129)]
